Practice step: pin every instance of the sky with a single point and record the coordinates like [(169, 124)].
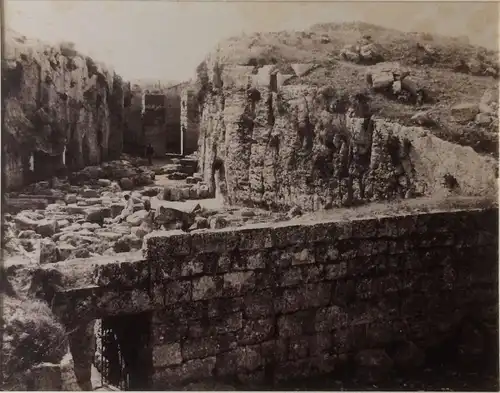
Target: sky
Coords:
[(166, 40)]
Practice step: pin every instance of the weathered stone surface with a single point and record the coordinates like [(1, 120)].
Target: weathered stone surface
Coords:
[(465, 112), (234, 296), (315, 158), (47, 228), (45, 376), (54, 90), (167, 355), (193, 370)]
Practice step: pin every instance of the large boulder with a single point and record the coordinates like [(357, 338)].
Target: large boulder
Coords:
[(126, 183), (464, 112), (48, 251), (137, 217), (489, 102), (47, 228), (98, 214), (170, 218), (24, 222)]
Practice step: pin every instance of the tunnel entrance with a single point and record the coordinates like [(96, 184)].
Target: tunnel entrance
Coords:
[(123, 351)]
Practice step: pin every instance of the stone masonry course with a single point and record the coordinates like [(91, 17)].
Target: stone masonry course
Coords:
[(271, 303)]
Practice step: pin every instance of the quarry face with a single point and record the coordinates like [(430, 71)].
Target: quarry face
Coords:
[(286, 218)]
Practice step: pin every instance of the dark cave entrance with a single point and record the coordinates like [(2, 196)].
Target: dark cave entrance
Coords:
[(218, 179), (43, 166), (123, 351)]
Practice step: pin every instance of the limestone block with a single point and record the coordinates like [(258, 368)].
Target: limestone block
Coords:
[(302, 69), (464, 112), (167, 355), (193, 370)]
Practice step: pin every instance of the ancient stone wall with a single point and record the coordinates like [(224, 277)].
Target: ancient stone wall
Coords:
[(133, 138), (267, 304), (60, 104), (189, 121), (284, 144), (154, 122)]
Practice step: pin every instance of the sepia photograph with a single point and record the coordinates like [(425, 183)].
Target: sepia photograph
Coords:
[(249, 195)]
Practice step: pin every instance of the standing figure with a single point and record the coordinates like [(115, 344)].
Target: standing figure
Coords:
[(149, 154)]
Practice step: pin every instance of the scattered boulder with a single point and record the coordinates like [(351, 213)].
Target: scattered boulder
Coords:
[(489, 102), (115, 187), (185, 193), (175, 194), (483, 119), (127, 243), (104, 182), (70, 199), (295, 211), (423, 118), (116, 209), (75, 209), (137, 217), (203, 192), (48, 251), (90, 193), (218, 222), (191, 180), (169, 217), (126, 183), (142, 179), (63, 223), (150, 191), (47, 228), (80, 252), (465, 112), (98, 215), (111, 236), (28, 234), (200, 223), (247, 212), (65, 250), (24, 222), (177, 176)]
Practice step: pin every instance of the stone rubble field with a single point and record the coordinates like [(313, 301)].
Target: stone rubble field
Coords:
[(75, 217)]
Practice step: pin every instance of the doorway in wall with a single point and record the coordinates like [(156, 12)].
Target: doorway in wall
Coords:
[(123, 351)]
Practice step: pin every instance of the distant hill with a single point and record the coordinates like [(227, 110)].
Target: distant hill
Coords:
[(324, 42)]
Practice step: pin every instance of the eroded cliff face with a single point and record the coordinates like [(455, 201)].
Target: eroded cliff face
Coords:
[(61, 107), (266, 143)]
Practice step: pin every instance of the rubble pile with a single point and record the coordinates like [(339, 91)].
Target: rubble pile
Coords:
[(76, 217), (390, 78)]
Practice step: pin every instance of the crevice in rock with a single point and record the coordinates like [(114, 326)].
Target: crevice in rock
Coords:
[(270, 110), (12, 77)]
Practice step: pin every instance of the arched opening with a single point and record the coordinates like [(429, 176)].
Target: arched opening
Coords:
[(123, 351), (219, 180)]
